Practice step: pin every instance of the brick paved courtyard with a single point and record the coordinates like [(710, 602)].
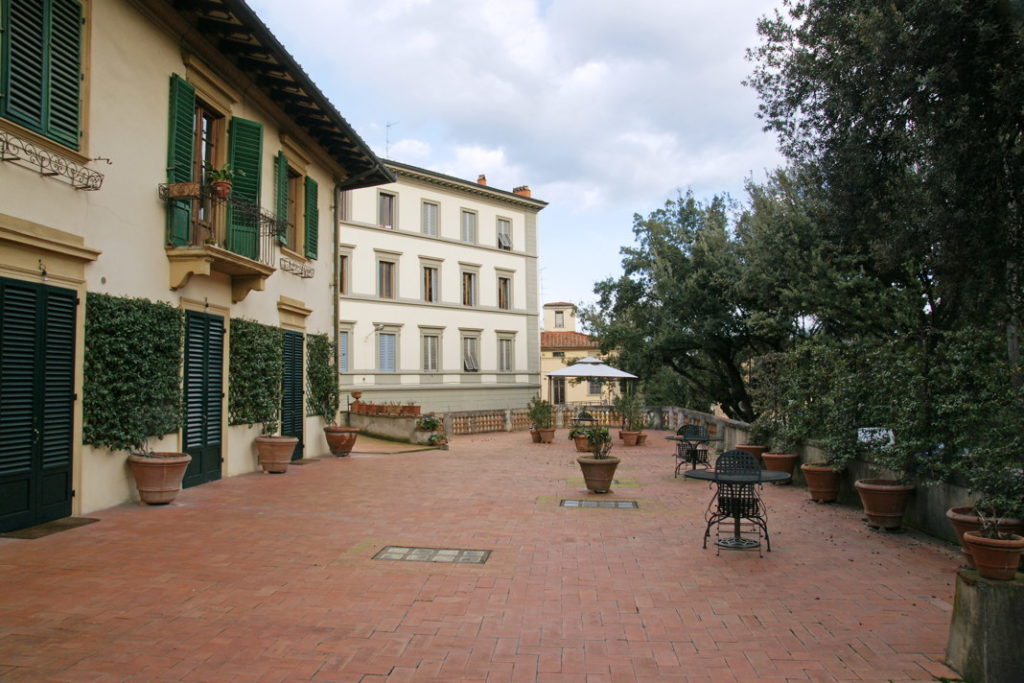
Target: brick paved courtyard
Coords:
[(272, 578)]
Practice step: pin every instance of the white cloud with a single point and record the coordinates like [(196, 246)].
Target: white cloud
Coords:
[(604, 108)]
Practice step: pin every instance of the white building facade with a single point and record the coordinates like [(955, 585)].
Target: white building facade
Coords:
[(438, 299)]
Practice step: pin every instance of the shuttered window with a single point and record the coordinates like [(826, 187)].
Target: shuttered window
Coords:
[(40, 66), (386, 347), (180, 149), (312, 218), (246, 154), (281, 194), (431, 346), (470, 353), (469, 227), (343, 352), (429, 219), (505, 361)]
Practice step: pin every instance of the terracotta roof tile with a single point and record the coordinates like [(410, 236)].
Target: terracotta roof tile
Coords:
[(566, 340)]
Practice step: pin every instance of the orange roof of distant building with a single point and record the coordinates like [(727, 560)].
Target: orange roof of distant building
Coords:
[(566, 340), (559, 303)]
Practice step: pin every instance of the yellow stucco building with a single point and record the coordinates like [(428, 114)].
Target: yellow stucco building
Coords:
[(560, 346), (112, 113)]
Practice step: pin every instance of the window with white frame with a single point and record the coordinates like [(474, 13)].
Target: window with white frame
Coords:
[(468, 288), (430, 351), (505, 234), (505, 292), (431, 284), (387, 351), (343, 347), (471, 353), (386, 279), (345, 205), (469, 226), (559, 319), (386, 210), (594, 387), (428, 219), (344, 276), (506, 350)]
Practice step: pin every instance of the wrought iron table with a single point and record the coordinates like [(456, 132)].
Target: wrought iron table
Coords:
[(742, 479), (691, 449)]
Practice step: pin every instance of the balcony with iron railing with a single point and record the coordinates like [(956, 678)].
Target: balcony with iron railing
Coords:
[(211, 232)]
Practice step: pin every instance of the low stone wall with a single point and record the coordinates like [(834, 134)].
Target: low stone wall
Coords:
[(393, 428)]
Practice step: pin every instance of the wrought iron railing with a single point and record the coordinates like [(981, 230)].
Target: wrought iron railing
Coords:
[(215, 207), (19, 151)]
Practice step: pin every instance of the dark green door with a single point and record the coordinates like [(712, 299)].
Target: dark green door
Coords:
[(291, 399), (204, 394), (37, 395)]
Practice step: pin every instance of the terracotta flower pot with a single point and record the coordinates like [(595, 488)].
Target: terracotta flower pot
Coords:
[(964, 519), (598, 473), (996, 558), (629, 438), (547, 435), (158, 476), (275, 452), (221, 189), (756, 451), (781, 462), (582, 443), (340, 439), (822, 482), (641, 440), (535, 436), (884, 501)]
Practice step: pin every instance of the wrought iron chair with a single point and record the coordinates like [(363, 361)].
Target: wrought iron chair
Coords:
[(694, 450), (735, 501)]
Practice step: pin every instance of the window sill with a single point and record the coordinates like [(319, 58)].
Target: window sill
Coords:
[(288, 251)]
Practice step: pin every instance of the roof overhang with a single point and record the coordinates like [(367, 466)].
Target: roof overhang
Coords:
[(234, 30), (458, 184)]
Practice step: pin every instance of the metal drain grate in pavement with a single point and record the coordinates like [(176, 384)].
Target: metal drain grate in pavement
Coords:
[(449, 555), (618, 504)]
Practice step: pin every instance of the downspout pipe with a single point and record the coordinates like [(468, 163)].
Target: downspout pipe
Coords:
[(335, 285)]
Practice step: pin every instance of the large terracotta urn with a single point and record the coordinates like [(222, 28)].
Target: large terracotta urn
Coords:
[(340, 439), (884, 501), (158, 475)]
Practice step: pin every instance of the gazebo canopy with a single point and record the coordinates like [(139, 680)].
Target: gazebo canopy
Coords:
[(593, 368)]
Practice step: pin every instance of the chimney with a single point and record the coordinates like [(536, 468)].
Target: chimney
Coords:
[(481, 179), (523, 190)]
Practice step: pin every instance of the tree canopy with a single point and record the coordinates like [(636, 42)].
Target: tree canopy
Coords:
[(876, 280)]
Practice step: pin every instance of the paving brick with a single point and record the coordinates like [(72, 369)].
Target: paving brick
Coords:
[(271, 578)]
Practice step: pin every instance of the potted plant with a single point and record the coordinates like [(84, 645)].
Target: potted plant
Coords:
[(630, 407), (274, 452), (579, 436), (542, 415), (428, 423), (885, 499), (998, 482), (220, 180), (158, 475), (996, 552), (783, 443), (322, 396), (438, 439), (598, 468)]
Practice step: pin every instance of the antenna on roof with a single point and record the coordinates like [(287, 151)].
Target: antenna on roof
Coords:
[(387, 137)]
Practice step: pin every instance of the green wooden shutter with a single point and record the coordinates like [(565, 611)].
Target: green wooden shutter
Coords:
[(40, 67), (65, 71), (312, 218), (246, 155), (282, 197), (180, 148)]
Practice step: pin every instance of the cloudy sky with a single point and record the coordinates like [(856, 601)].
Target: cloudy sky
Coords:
[(604, 108)]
